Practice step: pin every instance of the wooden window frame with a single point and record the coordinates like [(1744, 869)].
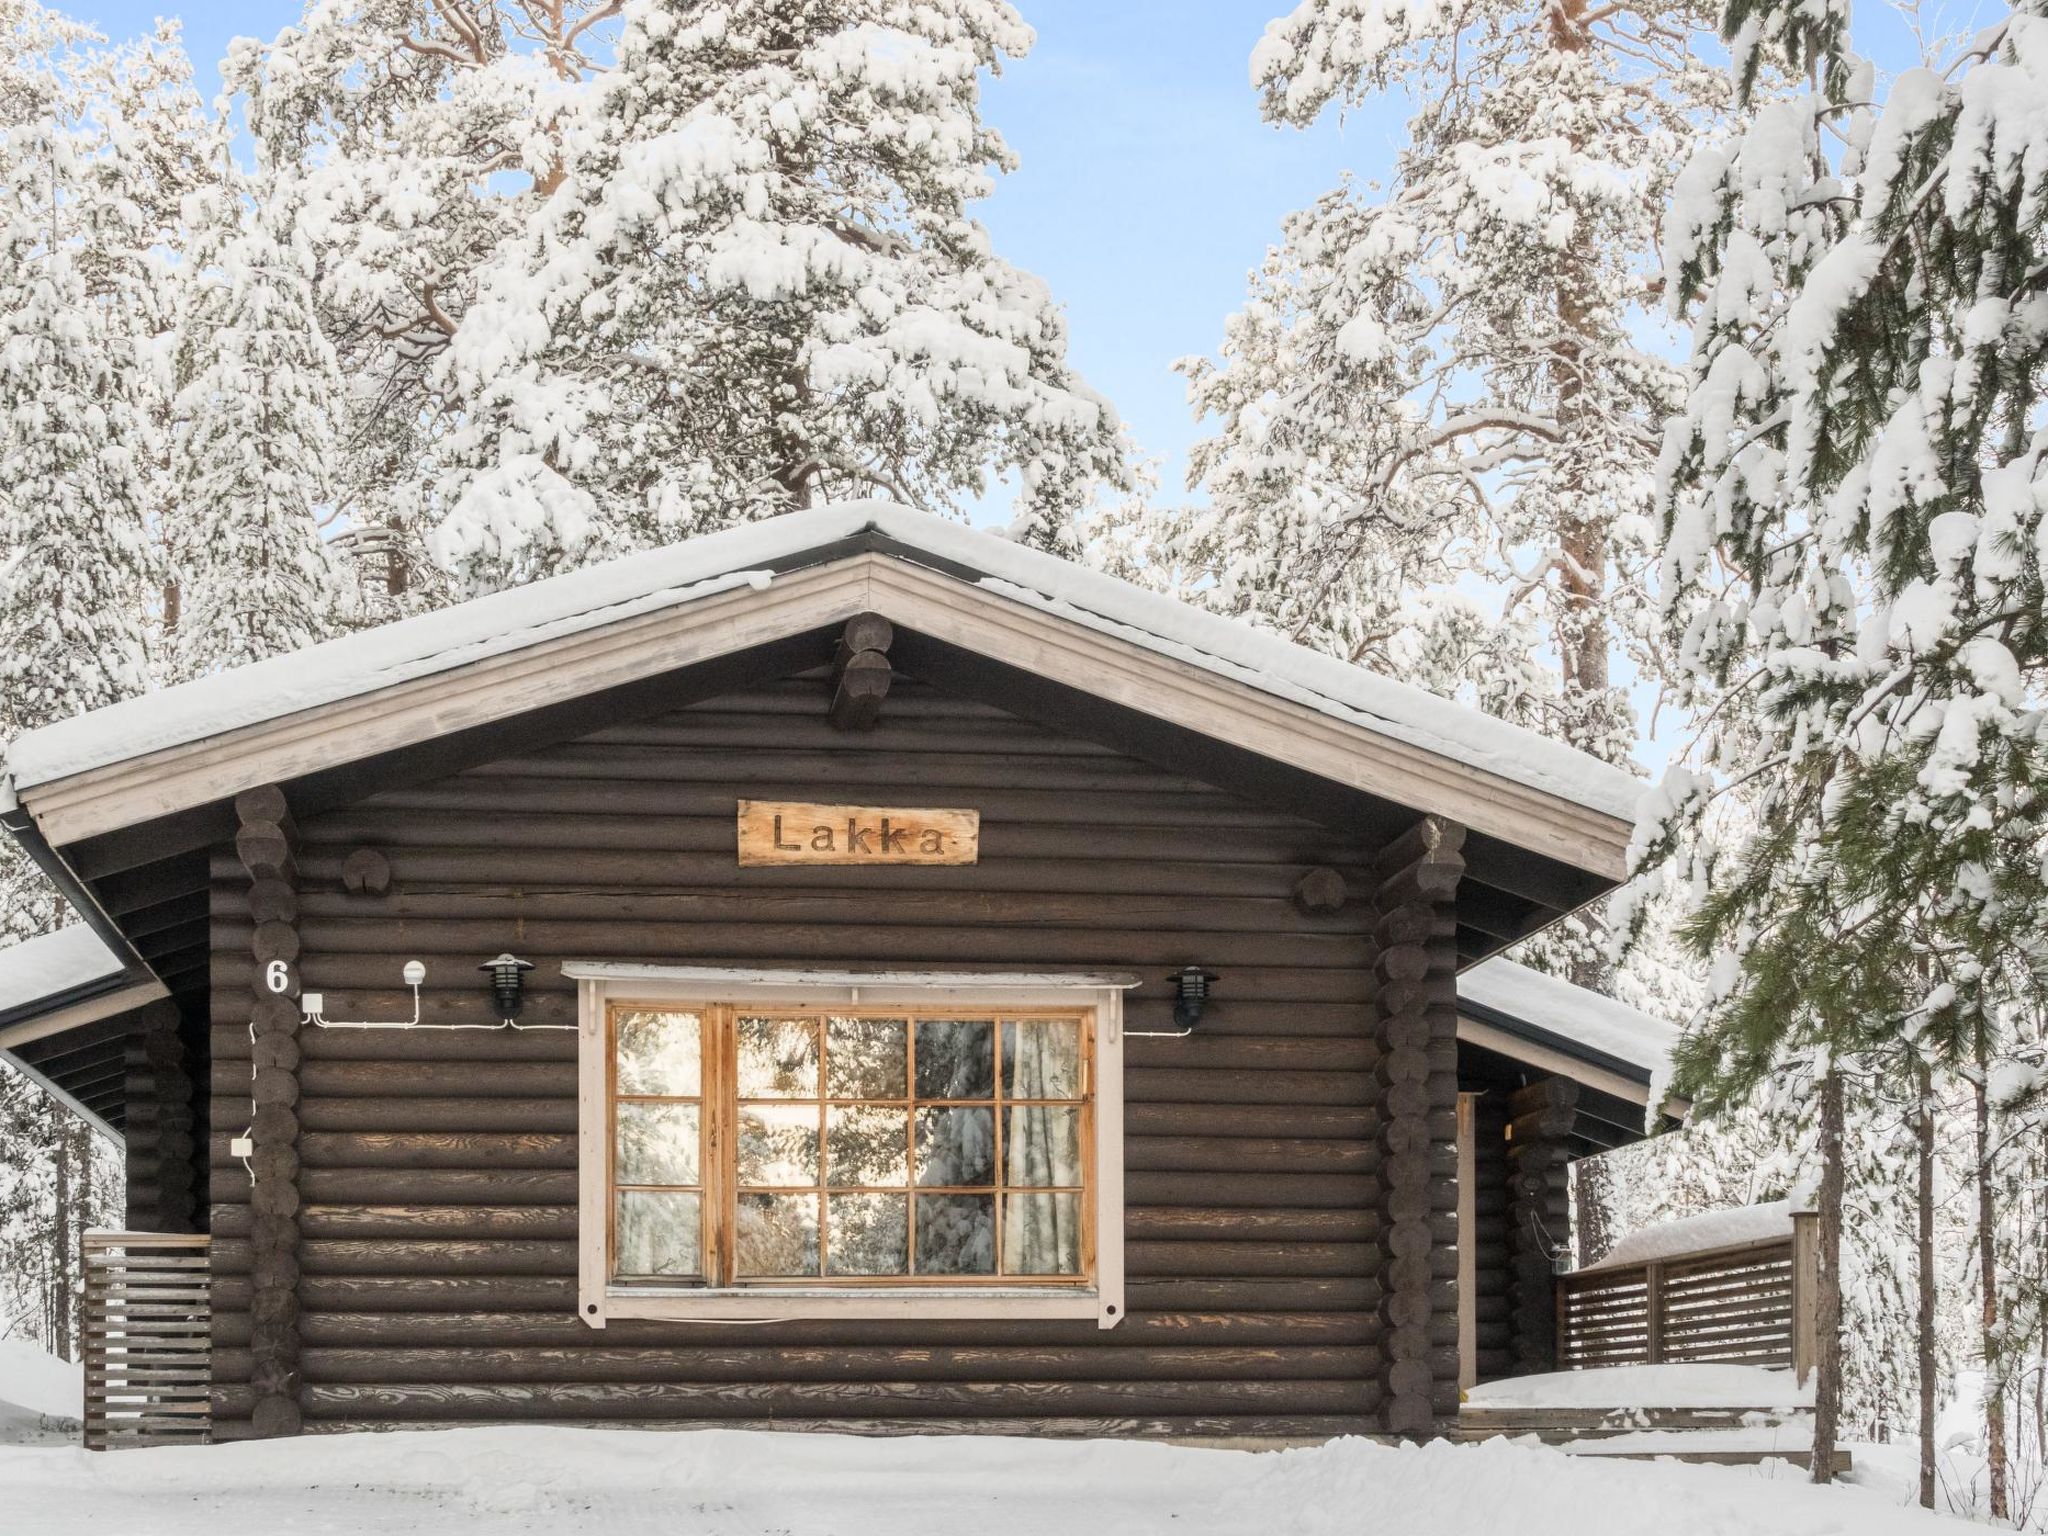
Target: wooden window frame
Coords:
[(1098, 1292)]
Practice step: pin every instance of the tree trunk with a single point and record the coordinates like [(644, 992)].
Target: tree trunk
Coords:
[(65, 1195), (1987, 1266), (1923, 1136), (1827, 1397)]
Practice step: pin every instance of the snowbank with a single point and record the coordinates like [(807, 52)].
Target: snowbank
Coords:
[(41, 1397), (641, 583), (563, 1482), (1647, 1386), (1699, 1234), (51, 963), (1589, 1018)]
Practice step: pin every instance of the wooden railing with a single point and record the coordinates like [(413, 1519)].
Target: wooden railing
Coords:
[(1745, 1305), (148, 1306)]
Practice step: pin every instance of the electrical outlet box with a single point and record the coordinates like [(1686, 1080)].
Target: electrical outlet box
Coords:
[(310, 1003), (242, 1146)]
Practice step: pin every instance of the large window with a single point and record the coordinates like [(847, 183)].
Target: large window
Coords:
[(817, 1149)]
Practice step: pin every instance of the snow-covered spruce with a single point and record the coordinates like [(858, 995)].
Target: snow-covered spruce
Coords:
[(1442, 379), (733, 273), (254, 442)]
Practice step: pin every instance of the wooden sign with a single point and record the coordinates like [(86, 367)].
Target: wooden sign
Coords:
[(792, 832)]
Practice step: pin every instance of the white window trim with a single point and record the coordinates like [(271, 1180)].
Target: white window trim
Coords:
[(598, 983)]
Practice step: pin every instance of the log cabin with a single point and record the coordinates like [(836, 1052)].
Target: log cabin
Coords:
[(848, 971)]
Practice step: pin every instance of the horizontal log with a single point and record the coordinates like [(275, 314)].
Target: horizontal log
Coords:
[(433, 860), (909, 1399), (1264, 988), (533, 799), (424, 1221), (740, 1365), (436, 1149), (1350, 1294), (1224, 1224), (448, 942), (405, 1329), (1243, 1154), (1309, 1121), (437, 1186), (1145, 1260), (503, 1115), (1250, 1191), (1289, 846), (1143, 1085), (729, 902)]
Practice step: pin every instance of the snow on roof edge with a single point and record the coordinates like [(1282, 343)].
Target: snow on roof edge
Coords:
[(53, 963), (1591, 1019), (579, 600)]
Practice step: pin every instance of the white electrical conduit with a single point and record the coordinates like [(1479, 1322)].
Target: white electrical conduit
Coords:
[(414, 974)]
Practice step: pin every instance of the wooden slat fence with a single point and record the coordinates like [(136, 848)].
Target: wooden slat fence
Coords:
[(148, 1311), (1745, 1305)]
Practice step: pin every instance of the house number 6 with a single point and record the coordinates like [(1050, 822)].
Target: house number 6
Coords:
[(277, 976)]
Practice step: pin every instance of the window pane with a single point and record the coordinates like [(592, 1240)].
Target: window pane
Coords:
[(1041, 1145), (956, 1146), (866, 1144), (1041, 1059), (777, 1235), (778, 1144), (660, 1233), (1042, 1234), (657, 1144), (956, 1234), (864, 1058), (778, 1058), (868, 1234), (659, 1053), (955, 1059)]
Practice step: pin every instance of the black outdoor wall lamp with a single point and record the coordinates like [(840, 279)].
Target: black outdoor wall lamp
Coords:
[(1190, 996), (508, 982)]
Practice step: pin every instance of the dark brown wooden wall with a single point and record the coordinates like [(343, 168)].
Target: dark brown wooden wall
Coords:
[(438, 1170)]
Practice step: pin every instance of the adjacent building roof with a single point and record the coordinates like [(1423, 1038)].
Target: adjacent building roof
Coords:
[(1533, 1015), (62, 964)]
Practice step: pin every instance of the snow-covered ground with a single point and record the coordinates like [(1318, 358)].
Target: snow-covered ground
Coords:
[(40, 1396), (563, 1482), (1647, 1386)]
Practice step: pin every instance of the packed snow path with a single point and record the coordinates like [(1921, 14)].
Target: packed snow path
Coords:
[(564, 1482)]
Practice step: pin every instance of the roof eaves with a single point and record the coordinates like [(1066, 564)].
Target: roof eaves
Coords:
[(1536, 1034)]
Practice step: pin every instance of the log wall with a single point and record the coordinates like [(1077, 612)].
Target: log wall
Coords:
[(1539, 1131), (436, 1172)]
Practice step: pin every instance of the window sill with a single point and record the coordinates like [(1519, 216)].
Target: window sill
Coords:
[(795, 1305)]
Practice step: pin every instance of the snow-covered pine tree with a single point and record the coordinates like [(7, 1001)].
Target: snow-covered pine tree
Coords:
[(418, 136), (758, 285), (1852, 507), (254, 439), (150, 133), (74, 545), (725, 255), (79, 408), (1441, 384)]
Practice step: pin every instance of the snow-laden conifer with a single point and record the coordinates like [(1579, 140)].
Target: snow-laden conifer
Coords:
[(732, 271), (1441, 400), (255, 434)]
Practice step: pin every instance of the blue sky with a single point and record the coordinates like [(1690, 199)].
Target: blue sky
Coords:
[(1148, 188)]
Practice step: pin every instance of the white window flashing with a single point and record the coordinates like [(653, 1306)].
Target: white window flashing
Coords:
[(598, 983)]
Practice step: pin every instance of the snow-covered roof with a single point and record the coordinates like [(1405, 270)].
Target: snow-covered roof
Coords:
[(52, 964), (1578, 1016), (750, 555), (1732, 1228)]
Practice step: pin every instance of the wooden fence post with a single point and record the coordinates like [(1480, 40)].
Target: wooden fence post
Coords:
[(1805, 1286), (1653, 1313)]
